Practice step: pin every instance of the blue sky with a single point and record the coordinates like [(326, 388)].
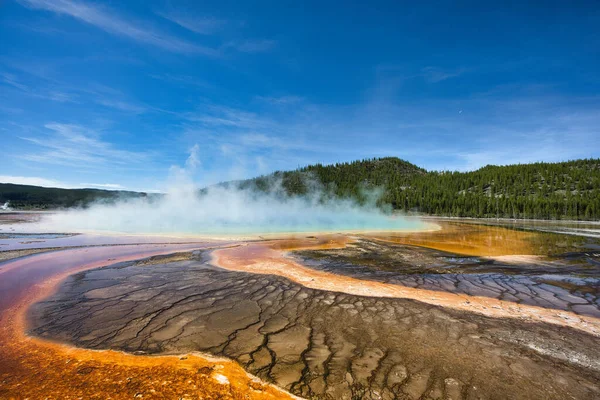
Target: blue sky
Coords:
[(119, 94)]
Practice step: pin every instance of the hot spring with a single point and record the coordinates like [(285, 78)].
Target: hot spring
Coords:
[(228, 211)]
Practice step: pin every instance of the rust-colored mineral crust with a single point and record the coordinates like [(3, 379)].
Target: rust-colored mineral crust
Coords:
[(32, 368)]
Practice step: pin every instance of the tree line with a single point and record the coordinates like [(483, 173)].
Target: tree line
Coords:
[(564, 190), (27, 197)]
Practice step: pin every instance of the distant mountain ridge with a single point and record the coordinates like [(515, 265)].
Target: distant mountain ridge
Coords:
[(28, 197), (564, 190)]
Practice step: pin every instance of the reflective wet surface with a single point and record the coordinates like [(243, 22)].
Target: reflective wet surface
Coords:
[(39, 369), (316, 343), (497, 238), (468, 311), (569, 282)]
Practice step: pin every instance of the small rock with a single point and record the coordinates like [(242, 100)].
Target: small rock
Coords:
[(254, 385), (205, 370)]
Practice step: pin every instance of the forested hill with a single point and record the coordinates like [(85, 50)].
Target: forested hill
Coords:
[(354, 179), (26, 197), (566, 190)]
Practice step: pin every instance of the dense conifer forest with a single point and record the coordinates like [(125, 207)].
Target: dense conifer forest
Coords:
[(565, 190), (26, 197)]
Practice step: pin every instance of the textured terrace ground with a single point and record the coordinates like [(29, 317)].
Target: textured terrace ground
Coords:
[(315, 343), (466, 312)]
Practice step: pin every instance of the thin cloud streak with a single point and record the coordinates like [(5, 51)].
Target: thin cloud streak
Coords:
[(181, 80), (494, 130), (44, 93), (281, 100), (252, 45), (435, 74), (57, 91), (111, 23), (196, 24), (106, 186), (122, 106), (38, 181), (73, 145), (30, 180)]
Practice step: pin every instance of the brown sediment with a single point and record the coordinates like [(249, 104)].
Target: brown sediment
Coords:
[(169, 258), (322, 242), (38, 368), (317, 344), (526, 280), (11, 254), (35, 368), (262, 258), (482, 240)]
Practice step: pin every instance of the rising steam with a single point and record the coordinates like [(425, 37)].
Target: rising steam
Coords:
[(227, 210)]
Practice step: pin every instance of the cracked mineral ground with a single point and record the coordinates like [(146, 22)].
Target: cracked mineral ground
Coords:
[(333, 345), (564, 282)]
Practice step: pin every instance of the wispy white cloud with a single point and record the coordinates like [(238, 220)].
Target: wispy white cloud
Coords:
[(11, 80), (281, 100), (110, 22), (38, 181), (48, 88), (40, 92), (107, 186), (392, 77), (533, 135), (261, 141), (59, 96), (208, 25), (31, 180), (252, 45), (195, 23), (258, 140), (37, 26), (184, 80), (11, 110), (111, 98), (219, 116), (436, 74), (498, 128), (121, 105), (74, 145), (253, 142)]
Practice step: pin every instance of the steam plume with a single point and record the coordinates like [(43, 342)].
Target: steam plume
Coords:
[(227, 209)]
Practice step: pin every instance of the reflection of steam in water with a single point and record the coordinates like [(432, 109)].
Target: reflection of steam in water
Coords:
[(228, 210)]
